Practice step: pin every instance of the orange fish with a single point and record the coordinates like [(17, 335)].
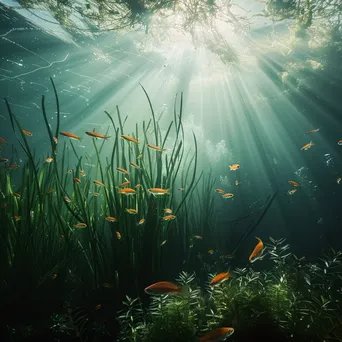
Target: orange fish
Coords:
[(291, 192), (217, 335), (124, 184), (13, 166), (339, 180), (16, 218), (132, 211), (169, 217), (27, 132), (98, 183), (339, 142), (168, 211), (127, 191), (3, 140), (220, 278), (312, 131), (164, 287), (67, 199), (307, 146), (48, 160), (54, 276), (220, 191), (156, 148), (158, 191), (16, 194), (118, 235), (234, 167), (95, 193), (111, 219), (257, 251), (50, 190), (181, 189), (80, 225), (294, 183), (134, 165), (128, 138), (228, 195), (211, 251), (3, 160), (120, 169), (142, 221), (70, 135), (82, 173), (97, 135), (77, 180), (55, 140), (198, 237)]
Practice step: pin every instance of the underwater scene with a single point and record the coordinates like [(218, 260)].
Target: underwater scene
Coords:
[(170, 170)]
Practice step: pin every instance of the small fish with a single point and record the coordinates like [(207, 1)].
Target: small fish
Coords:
[(163, 243), (50, 190), (158, 191), (3, 140), (164, 287), (80, 225), (169, 217), (82, 173), (181, 189), (198, 237), (13, 166), (156, 148), (95, 193), (220, 278), (3, 160), (217, 335), (48, 160), (53, 276), (307, 146), (237, 182), (118, 235), (134, 165), (338, 180), (77, 180), (139, 156), (124, 184), (120, 169), (168, 211), (211, 251), (234, 167), (70, 135), (142, 221), (111, 219), (16, 194), (67, 199), (257, 251), (132, 211), (228, 195), (16, 218), (69, 171), (138, 186), (291, 192), (97, 135), (98, 307), (27, 132), (339, 142), (294, 183), (108, 285), (98, 183), (55, 140), (220, 191), (312, 131), (128, 138), (127, 191)]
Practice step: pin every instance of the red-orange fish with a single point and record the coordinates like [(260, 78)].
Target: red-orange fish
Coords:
[(234, 167), (110, 219), (48, 160), (307, 146), (3, 140), (221, 277), (228, 195), (169, 217), (13, 166), (80, 225), (217, 335), (120, 169), (27, 132), (77, 180), (118, 235), (97, 135), (128, 138), (98, 183), (292, 182), (257, 251), (158, 191), (70, 135), (156, 148), (163, 287), (127, 191)]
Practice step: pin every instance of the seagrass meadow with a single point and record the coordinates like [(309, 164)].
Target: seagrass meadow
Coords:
[(80, 244)]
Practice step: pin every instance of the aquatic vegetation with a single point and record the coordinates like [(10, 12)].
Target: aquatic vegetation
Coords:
[(291, 300)]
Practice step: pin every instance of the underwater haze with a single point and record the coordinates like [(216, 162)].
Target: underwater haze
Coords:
[(170, 170)]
